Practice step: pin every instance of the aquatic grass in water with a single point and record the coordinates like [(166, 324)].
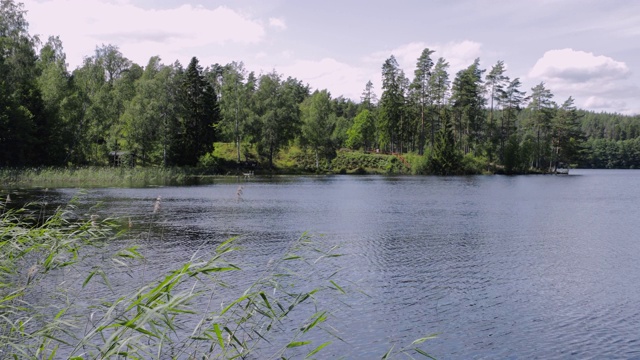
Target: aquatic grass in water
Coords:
[(48, 265), (100, 176)]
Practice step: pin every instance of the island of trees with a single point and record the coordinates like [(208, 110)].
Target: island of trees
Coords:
[(111, 111)]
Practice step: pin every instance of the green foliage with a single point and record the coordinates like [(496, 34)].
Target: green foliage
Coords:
[(24, 122), (297, 159), (567, 138), (198, 117), (277, 113), (361, 135), (236, 103), (445, 157), (419, 163), (208, 160), (391, 105), (472, 165), (539, 125), (519, 155), (422, 96), (318, 123), (359, 162), (611, 154), (150, 118), (468, 107)]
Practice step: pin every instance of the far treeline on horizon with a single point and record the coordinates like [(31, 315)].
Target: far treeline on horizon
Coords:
[(477, 120)]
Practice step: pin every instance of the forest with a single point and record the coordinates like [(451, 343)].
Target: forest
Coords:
[(111, 111)]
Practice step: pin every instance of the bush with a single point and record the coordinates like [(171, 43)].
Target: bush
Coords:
[(472, 165), (208, 160), (419, 163), (377, 163)]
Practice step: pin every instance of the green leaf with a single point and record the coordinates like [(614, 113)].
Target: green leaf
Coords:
[(337, 286), (298, 343), (387, 354), (266, 301), (86, 281), (421, 352), (223, 246), (105, 279), (133, 326), (216, 328), (211, 269), (232, 335), (321, 317), (240, 299), (48, 260), (60, 313), (421, 340), (53, 353), (316, 350)]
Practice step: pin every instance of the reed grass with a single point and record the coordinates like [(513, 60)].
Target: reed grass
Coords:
[(89, 177), (175, 315)]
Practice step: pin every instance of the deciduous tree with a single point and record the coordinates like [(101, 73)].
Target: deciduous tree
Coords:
[(318, 123)]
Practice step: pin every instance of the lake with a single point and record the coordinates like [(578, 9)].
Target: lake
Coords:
[(498, 267)]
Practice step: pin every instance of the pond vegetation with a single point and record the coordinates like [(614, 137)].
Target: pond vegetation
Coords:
[(47, 263)]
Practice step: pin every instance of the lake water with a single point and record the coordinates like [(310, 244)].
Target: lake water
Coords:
[(499, 267)]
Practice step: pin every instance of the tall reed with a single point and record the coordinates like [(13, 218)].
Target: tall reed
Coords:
[(87, 177), (49, 263)]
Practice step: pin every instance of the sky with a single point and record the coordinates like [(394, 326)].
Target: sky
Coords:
[(587, 49)]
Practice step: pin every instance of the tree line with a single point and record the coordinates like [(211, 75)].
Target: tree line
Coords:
[(170, 115)]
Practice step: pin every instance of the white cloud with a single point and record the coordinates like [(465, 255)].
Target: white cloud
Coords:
[(278, 23), (460, 54), (140, 33), (596, 102), (337, 77), (577, 66), (597, 82)]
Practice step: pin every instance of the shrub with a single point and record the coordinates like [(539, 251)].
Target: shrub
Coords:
[(473, 165)]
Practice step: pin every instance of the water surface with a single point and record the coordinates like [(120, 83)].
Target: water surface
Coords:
[(498, 267)]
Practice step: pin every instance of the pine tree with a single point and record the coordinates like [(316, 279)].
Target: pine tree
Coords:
[(468, 107), (445, 157), (568, 137), (439, 86), (510, 99), (495, 82), (541, 112), (200, 115), (391, 104), (422, 94)]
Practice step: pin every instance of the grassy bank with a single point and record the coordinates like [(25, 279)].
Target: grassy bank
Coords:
[(223, 162), (52, 267), (295, 160)]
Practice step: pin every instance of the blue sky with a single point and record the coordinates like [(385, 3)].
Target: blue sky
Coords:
[(587, 49)]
